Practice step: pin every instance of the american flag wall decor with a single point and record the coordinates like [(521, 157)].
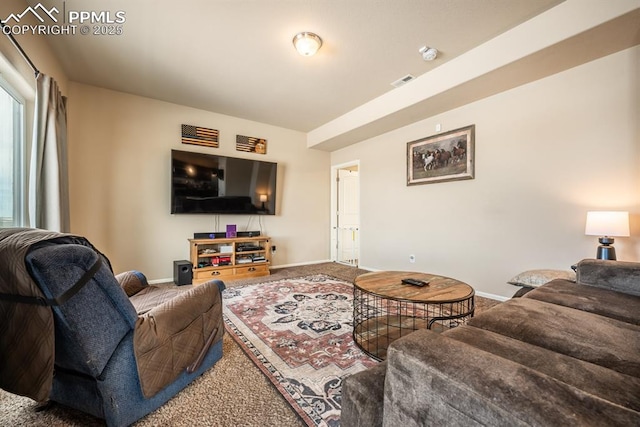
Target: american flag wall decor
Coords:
[(250, 144), (197, 135)]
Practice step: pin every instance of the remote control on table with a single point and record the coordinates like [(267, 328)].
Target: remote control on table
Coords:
[(414, 282)]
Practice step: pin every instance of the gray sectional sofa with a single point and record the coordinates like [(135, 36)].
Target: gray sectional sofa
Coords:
[(565, 354)]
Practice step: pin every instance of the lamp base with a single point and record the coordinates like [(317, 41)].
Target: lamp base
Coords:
[(605, 250)]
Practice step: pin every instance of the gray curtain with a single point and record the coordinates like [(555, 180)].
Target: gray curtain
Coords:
[(48, 170)]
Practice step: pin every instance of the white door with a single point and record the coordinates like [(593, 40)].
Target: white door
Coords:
[(347, 219)]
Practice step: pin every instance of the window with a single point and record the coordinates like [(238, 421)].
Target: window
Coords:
[(12, 169)]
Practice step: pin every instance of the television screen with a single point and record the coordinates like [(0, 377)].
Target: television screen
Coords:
[(206, 183)]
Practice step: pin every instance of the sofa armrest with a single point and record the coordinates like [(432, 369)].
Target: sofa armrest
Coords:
[(132, 282), (362, 397), (618, 276), (435, 380), (175, 336), (171, 317)]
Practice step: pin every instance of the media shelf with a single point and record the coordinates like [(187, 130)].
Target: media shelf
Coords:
[(223, 258)]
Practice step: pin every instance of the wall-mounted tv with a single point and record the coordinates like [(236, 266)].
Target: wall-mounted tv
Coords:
[(211, 184)]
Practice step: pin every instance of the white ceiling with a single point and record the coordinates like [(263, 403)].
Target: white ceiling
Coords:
[(236, 57)]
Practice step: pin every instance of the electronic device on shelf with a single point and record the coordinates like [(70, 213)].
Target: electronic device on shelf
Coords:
[(247, 247), (209, 235), (414, 282)]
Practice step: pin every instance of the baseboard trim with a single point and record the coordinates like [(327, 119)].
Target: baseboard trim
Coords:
[(158, 281), (369, 268), (298, 264), (493, 296)]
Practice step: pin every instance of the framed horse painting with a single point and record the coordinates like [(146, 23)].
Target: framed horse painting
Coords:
[(447, 156)]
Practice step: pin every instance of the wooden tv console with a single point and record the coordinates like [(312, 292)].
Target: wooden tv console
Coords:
[(236, 258)]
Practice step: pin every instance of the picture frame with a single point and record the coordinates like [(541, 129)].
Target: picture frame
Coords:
[(447, 156)]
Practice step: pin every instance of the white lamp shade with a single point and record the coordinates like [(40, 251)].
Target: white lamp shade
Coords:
[(607, 223), (263, 197)]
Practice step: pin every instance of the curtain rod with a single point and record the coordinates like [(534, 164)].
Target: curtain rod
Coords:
[(22, 52)]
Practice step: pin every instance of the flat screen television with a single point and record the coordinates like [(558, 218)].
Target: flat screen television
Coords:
[(211, 184)]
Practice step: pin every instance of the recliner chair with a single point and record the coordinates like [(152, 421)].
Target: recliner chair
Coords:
[(122, 350)]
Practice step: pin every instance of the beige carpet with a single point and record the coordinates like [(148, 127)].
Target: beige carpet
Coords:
[(232, 393)]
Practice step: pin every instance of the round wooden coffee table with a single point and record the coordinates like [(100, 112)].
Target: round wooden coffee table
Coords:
[(385, 309)]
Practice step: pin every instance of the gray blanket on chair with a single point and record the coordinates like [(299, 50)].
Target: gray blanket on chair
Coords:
[(25, 328)]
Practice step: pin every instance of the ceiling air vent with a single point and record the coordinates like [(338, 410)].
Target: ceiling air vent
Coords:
[(403, 81)]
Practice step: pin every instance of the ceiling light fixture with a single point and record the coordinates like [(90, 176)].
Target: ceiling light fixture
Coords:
[(306, 43), (428, 53)]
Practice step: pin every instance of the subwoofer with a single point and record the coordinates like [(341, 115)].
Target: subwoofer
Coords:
[(182, 272)]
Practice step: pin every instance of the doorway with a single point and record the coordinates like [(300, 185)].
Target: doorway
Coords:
[(345, 227)]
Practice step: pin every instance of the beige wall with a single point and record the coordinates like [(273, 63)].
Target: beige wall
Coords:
[(546, 153), (119, 160), (35, 46)]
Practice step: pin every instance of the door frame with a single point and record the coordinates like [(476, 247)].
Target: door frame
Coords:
[(333, 237)]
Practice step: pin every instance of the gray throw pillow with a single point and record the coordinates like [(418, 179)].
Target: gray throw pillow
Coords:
[(535, 278)]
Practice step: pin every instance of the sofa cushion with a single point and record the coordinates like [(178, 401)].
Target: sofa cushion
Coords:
[(605, 302), (153, 296), (585, 336), (618, 388), (433, 379)]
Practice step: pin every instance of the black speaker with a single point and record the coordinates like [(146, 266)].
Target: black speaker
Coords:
[(209, 235), (248, 233), (182, 272)]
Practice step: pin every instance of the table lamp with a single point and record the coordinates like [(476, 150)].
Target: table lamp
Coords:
[(607, 224)]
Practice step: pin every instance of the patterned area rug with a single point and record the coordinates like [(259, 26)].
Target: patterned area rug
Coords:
[(298, 332)]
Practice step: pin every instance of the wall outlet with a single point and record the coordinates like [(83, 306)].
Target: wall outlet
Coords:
[(412, 258), (273, 249)]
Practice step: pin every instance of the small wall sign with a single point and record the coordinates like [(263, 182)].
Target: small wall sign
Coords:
[(196, 135), (251, 144)]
